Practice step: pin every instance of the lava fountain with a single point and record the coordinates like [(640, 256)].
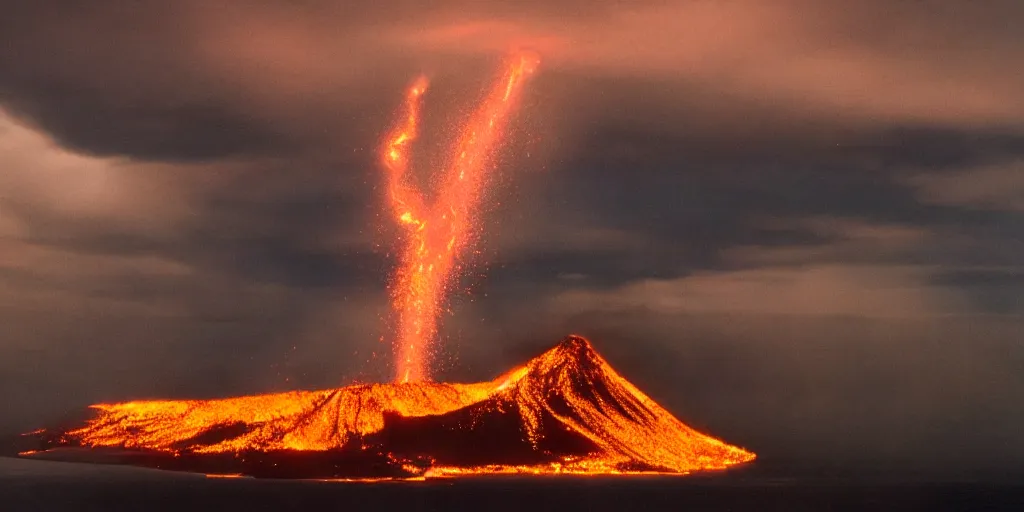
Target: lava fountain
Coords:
[(437, 233)]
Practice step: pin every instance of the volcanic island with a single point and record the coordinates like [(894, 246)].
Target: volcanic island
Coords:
[(565, 411)]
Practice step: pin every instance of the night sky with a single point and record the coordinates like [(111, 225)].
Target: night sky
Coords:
[(799, 226)]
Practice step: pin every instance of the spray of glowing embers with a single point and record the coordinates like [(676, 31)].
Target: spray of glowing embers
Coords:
[(564, 411), (437, 233)]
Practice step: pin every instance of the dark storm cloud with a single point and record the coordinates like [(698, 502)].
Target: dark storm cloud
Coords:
[(792, 222), (683, 200), (89, 122), (112, 81)]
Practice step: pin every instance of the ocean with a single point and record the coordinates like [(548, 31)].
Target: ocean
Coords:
[(56, 486)]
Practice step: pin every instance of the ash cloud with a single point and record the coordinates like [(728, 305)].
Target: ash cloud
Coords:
[(792, 223)]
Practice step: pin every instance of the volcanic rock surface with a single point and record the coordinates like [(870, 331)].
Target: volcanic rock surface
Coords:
[(565, 411)]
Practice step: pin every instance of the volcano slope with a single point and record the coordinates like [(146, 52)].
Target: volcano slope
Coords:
[(565, 411)]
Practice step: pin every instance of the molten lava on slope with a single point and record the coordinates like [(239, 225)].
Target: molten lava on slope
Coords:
[(565, 411)]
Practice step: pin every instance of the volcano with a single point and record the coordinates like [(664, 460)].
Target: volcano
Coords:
[(564, 411)]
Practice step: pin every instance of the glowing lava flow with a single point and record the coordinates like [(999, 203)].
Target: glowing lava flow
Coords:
[(564, 411), (437, 233)]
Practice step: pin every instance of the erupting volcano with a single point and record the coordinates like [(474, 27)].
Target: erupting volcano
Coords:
[(565, 411)]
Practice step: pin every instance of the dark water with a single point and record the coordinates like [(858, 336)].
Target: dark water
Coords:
[(36, 485)]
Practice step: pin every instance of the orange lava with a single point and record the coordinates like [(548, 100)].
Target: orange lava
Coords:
[(565, 411), (296, 420), (437, 233)]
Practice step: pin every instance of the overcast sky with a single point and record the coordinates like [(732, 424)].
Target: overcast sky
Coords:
[(797, 225)]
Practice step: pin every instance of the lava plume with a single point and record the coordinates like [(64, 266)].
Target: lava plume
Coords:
[(436, 233), (565, 411)]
